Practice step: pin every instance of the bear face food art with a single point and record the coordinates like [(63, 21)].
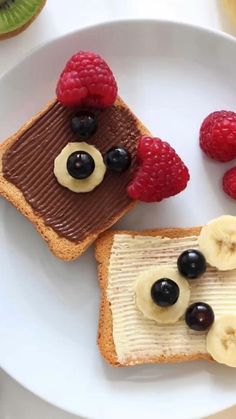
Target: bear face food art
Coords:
[(81, 163), (168, 295)]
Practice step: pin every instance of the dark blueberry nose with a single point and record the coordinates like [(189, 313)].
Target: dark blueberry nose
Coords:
[(80, 164)]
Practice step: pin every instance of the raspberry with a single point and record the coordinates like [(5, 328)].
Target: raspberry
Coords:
[(229, 182), (161, 172), (218, 135), (88, 81)]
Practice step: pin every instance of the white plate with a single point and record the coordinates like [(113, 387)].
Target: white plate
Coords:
[(172, 75)]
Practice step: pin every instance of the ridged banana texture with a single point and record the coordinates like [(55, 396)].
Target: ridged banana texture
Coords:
[(217, 241), (221, 340)]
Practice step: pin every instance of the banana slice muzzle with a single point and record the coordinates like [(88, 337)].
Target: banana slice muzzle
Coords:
[(144, 301), (84, 159)]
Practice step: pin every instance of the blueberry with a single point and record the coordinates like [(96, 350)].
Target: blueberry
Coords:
[(80, 164), (165, 292), (199, 316), (118, 159), (191, 264), (84, 124)]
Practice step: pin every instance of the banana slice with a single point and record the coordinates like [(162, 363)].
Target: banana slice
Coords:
[(221, 340), (79, 185), (217, 241), (144, 300)]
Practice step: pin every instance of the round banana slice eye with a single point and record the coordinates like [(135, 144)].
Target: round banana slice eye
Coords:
[(144, 300), (221, 340), (217, 242), (79, 167)]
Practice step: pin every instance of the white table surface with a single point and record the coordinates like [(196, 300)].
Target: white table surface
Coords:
[(60, 17)]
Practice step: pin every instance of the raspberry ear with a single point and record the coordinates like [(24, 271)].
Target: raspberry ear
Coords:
[(88, 81), (160, 172)]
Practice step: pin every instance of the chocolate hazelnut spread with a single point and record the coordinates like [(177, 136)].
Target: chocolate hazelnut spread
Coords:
[(29, 163)]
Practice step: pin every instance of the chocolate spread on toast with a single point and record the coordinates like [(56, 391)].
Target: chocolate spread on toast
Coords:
[(29, 162)]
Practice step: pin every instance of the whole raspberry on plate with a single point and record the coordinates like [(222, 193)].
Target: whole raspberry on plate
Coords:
[(87, 81), (218, 135), (161, 172), (229, 182)]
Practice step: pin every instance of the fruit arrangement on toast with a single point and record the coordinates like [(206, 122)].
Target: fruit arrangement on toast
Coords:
[(82, 162), (77, 167), (173, 300)]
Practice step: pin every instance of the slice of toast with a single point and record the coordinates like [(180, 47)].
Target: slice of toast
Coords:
[(125, 336), (69, 222)]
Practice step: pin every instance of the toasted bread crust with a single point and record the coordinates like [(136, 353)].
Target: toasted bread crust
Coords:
[(103, 247), (60, 246)]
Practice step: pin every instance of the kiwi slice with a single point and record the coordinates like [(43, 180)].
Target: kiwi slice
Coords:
[(16, 15)]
